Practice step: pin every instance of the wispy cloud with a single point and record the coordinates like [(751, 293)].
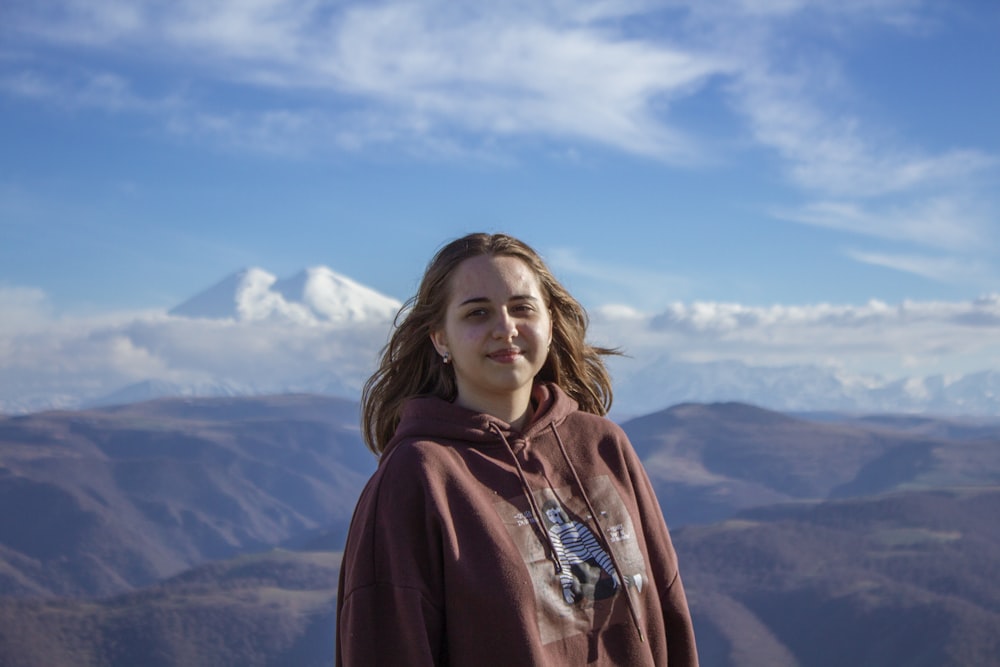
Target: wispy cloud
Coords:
[(23, 308), (599, 282), (942, 222), (566, 74), (945, 269), (836, 154), (456, 79), (105, 91)]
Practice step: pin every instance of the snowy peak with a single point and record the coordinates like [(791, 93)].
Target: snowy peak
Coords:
[(315, 295), (336, 298)]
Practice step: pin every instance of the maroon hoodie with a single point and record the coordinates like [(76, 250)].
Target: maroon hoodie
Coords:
[(475, 544)]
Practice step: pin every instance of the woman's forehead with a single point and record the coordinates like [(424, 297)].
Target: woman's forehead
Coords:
[(493, 277)]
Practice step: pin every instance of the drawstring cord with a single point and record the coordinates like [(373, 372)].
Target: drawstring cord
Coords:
[(604, 537), (535, 511)]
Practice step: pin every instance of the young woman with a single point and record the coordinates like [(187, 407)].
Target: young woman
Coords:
[(509, 522)]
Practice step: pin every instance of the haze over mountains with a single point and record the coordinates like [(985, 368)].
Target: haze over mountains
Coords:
[(320, 332)]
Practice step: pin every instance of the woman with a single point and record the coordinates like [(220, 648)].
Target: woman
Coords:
[(509, 522)]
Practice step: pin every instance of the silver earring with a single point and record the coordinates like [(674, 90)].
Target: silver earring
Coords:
[(445, 358)]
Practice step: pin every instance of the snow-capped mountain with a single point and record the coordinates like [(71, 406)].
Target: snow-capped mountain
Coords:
[(315, 294)]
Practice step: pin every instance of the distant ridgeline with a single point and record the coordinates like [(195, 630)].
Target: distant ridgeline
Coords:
[(207, 532)]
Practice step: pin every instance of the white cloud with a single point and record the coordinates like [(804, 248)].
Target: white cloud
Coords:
[(909, 337), (70, 360), (420, 67), (834, 152), (569, 70)]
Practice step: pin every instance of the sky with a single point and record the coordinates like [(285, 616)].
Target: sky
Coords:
[(775, 181)]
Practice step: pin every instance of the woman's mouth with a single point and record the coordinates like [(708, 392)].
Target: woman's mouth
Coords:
[(505, 356)]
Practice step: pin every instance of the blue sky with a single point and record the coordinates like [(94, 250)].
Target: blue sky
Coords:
[(765, 156)]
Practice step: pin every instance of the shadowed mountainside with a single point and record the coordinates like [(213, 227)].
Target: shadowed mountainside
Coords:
[(708, 461), (270, 609), (101, 501), (902, 579)]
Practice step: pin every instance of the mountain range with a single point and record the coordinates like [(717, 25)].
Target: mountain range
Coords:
[(194, 531)]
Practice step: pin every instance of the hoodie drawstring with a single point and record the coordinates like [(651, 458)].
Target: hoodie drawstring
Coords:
[(604, 537), (535, 511)]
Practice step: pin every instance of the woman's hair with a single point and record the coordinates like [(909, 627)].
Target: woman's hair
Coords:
[(410, 365)]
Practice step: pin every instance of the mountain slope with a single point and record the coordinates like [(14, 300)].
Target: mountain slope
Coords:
[(270, 609), (903, 579), (709, 461), (98, 502)]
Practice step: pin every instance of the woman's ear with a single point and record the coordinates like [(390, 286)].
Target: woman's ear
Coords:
[(439, 342)]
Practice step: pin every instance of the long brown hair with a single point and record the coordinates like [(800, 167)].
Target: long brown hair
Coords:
[(410, 365)]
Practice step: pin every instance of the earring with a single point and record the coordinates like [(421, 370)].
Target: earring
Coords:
[(445, 358)]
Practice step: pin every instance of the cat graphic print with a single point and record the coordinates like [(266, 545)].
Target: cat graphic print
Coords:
[(576, 586)]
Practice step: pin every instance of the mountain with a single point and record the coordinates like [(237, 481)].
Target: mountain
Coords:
[(102, 501), (900, 579), (315, 294), (268, 609), (709, 461)]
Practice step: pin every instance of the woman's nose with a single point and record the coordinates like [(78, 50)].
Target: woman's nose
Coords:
[(505, 326)]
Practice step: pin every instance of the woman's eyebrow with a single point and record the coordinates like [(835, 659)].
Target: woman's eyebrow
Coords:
[(483, 299)]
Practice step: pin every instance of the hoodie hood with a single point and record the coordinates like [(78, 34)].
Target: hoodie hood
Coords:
[(430, 417)]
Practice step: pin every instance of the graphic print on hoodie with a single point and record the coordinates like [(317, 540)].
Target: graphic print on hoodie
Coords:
[(576, 583)]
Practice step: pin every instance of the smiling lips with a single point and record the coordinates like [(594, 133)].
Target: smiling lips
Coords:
[(506, 355)]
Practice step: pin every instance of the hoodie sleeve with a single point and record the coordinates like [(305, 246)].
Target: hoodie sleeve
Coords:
[(388, 602), (680, 640)]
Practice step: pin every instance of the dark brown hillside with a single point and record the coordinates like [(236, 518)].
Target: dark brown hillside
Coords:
[(904, 579), (268, 610), (98, 502), (709, 461)]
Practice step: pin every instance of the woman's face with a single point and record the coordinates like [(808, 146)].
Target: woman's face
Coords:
[(497, 329)]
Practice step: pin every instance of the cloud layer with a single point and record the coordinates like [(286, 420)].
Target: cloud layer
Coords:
[(51, 361)]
